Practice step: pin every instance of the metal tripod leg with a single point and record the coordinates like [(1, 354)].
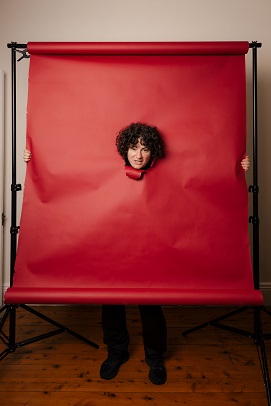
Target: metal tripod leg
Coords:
[(10, 340), (257, 335), (215, 321), (259, 340)]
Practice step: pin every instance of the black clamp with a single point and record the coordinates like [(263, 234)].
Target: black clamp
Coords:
[(253, 189), (14, 229), (255, 44), (24, 54), (254, 220), (16, 188)]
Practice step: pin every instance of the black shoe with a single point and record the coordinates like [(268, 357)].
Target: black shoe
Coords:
[(158, 373), (110, 367)]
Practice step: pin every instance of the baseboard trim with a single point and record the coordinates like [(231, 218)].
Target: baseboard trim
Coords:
[(266, 290)]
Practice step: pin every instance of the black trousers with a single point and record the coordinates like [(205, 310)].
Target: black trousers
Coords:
[(116, 336)]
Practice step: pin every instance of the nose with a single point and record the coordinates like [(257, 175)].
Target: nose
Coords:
[(138, 153)]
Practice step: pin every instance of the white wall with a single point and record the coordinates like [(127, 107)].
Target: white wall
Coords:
[(140, 20)]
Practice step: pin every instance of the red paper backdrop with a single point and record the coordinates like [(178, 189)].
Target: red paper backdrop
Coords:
[(89, 234)]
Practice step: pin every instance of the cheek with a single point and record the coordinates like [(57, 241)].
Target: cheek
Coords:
[(147, 157), (129, 154)]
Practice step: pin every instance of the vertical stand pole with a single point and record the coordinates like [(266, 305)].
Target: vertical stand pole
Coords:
[(255, 188), (258, 330), (14, 186), (12, 328)]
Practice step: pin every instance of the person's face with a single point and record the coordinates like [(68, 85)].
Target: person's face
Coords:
[(138, 155)]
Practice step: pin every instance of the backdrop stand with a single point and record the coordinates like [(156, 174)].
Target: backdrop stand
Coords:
[(10, 310), (257, 334)]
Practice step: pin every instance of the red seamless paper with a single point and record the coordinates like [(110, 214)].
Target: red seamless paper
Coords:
[(89, 233)]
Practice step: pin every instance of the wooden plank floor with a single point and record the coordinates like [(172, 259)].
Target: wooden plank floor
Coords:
[(210, 367)]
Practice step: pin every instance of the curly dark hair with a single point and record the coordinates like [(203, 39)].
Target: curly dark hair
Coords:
[(148, 135)]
